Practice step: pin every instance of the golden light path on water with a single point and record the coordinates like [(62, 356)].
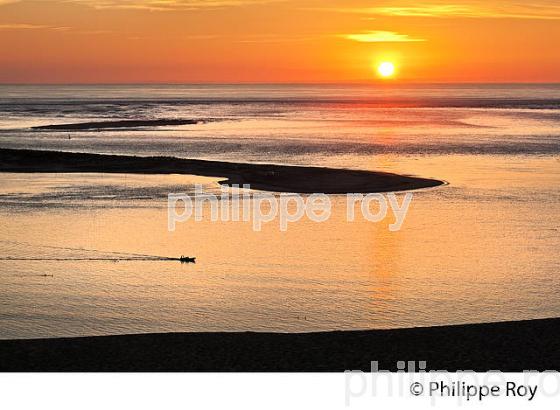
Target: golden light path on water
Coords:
[(465, 254)]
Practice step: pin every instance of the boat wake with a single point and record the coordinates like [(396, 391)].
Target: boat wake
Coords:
[(91, 254)]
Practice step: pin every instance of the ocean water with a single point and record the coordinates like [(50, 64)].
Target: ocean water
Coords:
[(483, 247)]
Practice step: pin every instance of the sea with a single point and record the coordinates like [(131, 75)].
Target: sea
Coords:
[(85, 253)]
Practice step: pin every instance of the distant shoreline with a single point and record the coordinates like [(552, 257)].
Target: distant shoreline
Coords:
[(275, 178), (504, 346)]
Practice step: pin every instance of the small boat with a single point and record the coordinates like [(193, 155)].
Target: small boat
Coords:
[(187, 259)]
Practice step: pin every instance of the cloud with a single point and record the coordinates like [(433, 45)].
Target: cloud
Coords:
[(474, 9), (167, 5), (422, 11), (526, 11), (381, 37), (277, 38), (22, 26)]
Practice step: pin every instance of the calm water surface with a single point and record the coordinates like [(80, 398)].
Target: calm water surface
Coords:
[(482, 248)]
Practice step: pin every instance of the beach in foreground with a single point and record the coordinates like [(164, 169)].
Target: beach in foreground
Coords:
[(275, 178), (505, 346)]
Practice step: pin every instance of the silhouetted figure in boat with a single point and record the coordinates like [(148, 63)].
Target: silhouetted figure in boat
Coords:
[(186, 259)]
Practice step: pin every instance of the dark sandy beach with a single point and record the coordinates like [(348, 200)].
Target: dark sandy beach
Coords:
[(276, 178), (506, 346), (97, 125)]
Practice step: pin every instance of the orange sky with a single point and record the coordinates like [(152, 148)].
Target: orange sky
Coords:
[(108, 41)]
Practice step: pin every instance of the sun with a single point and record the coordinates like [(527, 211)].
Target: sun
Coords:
[(386, 69)]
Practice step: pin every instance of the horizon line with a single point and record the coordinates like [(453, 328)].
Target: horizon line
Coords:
[(372, 83)]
